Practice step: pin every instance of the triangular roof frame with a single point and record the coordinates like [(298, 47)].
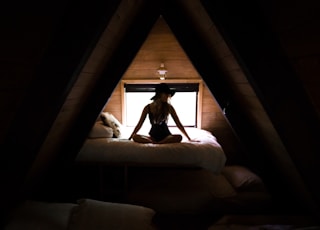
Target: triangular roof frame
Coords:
[(174, 14), (243, 38), (184, 21)]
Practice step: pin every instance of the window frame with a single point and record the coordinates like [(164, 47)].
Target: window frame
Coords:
[(171, 81)]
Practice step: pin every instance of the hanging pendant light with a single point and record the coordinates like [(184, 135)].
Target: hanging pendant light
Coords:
[(162, 72)]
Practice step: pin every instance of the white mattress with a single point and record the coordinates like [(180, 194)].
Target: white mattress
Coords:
[(204, 152)]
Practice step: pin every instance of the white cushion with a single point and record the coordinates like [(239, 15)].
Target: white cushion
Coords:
[(110, 120), (243, 179), (99, 130), (93, 214), (32, 215)]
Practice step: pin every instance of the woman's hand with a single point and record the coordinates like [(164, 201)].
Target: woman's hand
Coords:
[(192, 140)]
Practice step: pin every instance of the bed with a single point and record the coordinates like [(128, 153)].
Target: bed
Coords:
[(103, 147)]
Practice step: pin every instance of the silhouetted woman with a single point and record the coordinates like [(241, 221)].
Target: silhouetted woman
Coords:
[(158, 112)]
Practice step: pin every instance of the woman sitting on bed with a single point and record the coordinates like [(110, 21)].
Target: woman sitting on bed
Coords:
[(158, 112)]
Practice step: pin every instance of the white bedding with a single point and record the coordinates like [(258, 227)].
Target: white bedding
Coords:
[(83, 215), (204, 151)]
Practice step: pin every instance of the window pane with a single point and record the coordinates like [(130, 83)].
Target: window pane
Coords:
[(185, 104), (135, 102)]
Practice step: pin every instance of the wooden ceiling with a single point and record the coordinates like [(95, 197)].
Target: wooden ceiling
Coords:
[(259, 57), (161, 46)]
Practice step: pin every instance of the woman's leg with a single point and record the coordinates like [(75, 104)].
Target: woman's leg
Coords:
[(174, 138), (141, 139)]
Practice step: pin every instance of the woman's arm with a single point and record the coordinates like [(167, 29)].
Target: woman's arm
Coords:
[(177, 121), (141, 120)]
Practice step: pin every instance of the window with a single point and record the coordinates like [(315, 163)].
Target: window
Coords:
[(185, 101)]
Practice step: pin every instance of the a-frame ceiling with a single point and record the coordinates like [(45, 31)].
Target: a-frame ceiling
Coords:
[(262, 118)]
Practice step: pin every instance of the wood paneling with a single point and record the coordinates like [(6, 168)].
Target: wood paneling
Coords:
[(161, 46), (34, 86)]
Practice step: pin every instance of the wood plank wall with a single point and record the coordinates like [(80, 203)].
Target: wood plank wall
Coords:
[(161, 46)]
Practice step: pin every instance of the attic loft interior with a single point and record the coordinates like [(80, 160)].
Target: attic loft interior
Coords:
[(256, 64)]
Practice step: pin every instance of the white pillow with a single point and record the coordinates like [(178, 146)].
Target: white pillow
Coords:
[(31, 215), (93, 214), (99, 130), (109, 120), (243, 179)]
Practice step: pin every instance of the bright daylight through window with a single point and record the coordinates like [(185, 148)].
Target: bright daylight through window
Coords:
[(184, 101)]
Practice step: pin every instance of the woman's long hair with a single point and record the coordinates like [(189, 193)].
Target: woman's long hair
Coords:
[(161, 111)]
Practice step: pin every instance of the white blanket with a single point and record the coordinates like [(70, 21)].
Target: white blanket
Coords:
[(204, 151)]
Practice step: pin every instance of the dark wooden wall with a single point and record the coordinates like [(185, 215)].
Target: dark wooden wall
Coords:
[(271, 43), (60, 63)]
